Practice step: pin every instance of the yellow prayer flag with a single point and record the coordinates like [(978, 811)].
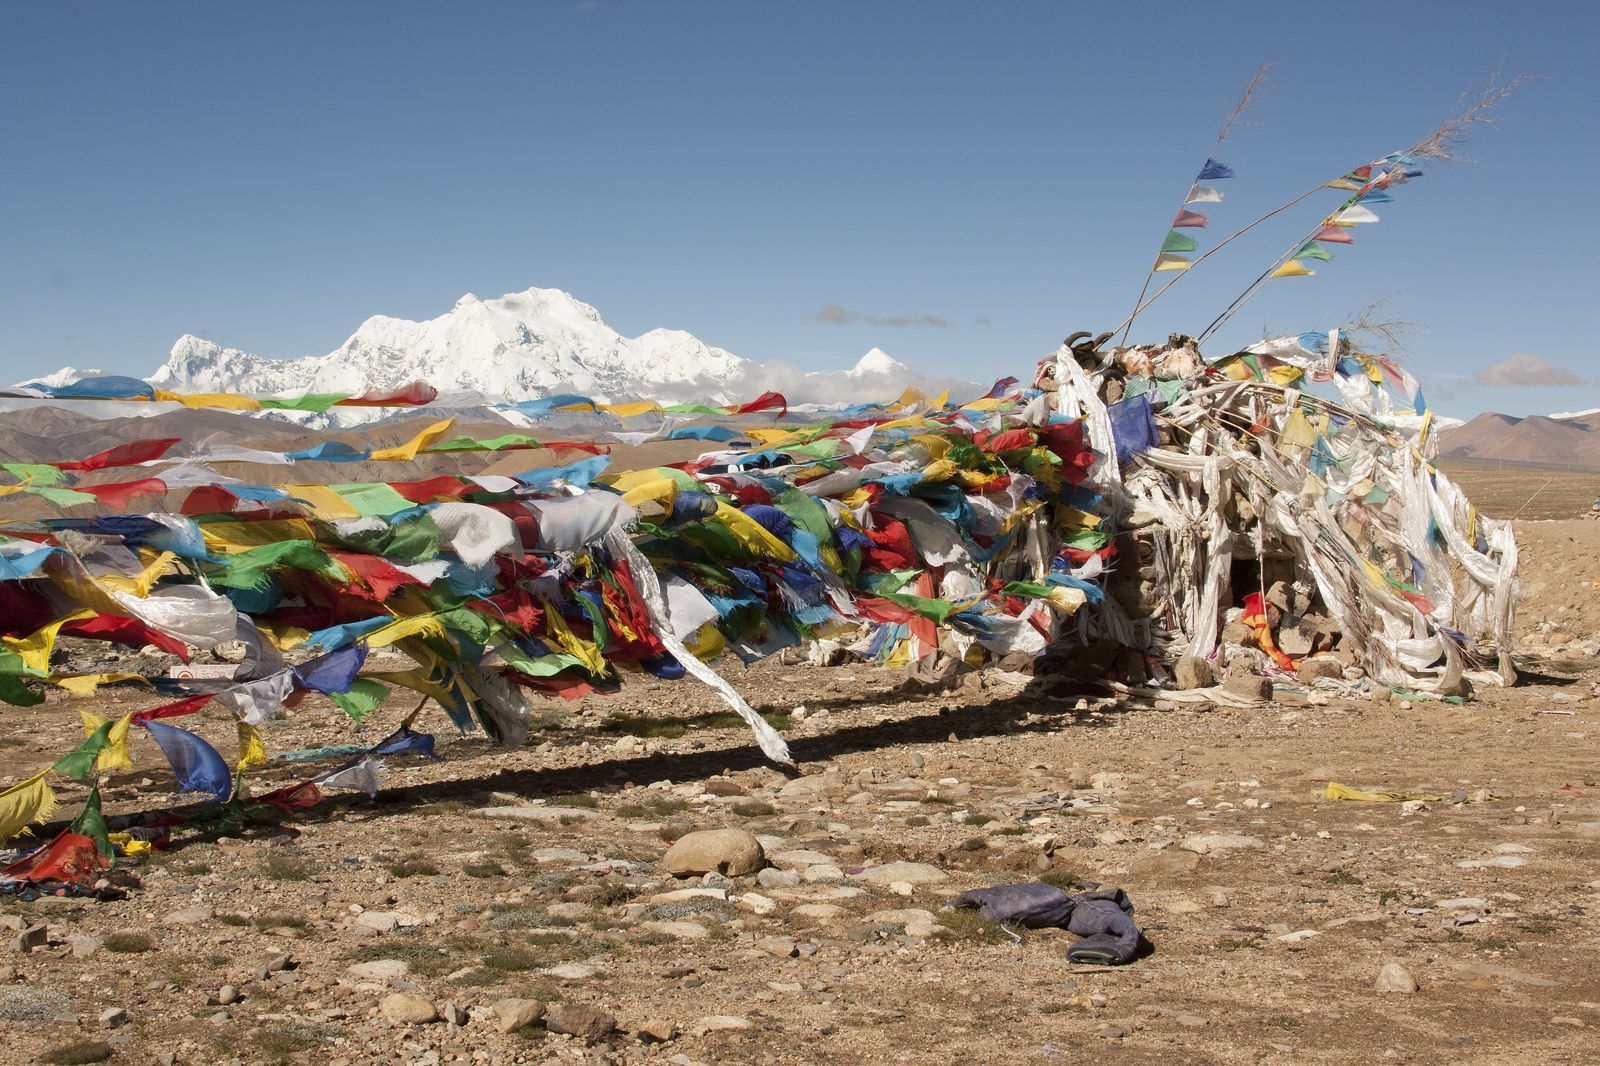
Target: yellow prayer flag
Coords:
[(1294, 269), (1336, 791), (400, 628), (115, 755), (232, 536), (408, 451), (323, 501), (631, 410), (752, 535), (225, 400), (252, 752), (34, 648), (30, 801)]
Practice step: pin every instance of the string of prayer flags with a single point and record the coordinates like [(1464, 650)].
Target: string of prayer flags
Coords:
[(1174, 248)]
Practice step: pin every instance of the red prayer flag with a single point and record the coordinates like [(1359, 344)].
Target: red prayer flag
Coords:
[(120, 630), (176, 709), (412, 395), (1331, 234), (293, 797), (130, 454), (119, 494), (70, 857), (765, 402), (1190, 219)]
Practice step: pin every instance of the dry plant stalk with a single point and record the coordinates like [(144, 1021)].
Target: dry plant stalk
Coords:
[(1248, 98), (1442, 145)]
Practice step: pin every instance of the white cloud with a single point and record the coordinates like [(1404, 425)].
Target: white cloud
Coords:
[(834, 315), (1522, 369)]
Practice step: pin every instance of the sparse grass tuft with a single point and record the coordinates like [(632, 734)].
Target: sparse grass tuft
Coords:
[(285, 868), (917, 821), (507, 959), (1012, 831), (967, 925), (428, 960), (79, 1051), (229, 918), (1283, 1021), (443, 807), (129, 943), (976, 820), (650, 728), (412, 867), (281, 920), (576, 799), (1341, 877), (653, 806), (488, 868), (974, 844), (673, 830), (754, 809), (1065, 880)]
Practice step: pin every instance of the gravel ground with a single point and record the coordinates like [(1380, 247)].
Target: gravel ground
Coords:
[(537, 875)]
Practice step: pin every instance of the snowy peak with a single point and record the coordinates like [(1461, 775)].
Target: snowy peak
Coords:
[(521, 346), (877, 361), (510, 348)]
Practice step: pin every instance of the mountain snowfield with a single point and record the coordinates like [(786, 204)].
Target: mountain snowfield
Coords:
[(523, 346)]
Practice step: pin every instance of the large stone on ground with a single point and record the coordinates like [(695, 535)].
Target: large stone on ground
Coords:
[(1212, 843), (1241, 681), (513, 1014), (730, 852), (584, 1022), (1395, 978), (1320, 666), (1191, 671), (912, 873), (408, 1008)]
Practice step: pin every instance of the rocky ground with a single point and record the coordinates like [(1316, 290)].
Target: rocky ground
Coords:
[(522, 907)]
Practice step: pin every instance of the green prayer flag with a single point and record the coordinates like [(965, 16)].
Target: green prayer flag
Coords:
[(488, 444), (91, 822), (364, 695), (79, 763), (1177, 242), (316, 402), (37, 473), (373, 499), (1314, 250), (938, 610)]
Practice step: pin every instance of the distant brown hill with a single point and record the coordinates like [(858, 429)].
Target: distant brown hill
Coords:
[(47, 433), (1536, 439)]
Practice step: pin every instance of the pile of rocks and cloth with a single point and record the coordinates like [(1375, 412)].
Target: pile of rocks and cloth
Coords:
[(1138, 517)]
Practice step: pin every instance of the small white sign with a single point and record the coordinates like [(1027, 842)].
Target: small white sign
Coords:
[(199, 670)]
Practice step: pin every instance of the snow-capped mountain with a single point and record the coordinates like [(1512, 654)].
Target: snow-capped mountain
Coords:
[(521, 346), (516, 347)]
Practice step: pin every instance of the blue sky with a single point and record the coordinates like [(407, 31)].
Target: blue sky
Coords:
[(269, 176)]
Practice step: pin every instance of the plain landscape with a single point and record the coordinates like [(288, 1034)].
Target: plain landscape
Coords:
[(513, 907)]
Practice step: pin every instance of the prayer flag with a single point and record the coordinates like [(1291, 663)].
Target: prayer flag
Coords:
[(1293, 269)]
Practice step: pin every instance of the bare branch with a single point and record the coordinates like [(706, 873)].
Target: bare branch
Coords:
[(1447, 141), (1246, 102), (1377, 332)]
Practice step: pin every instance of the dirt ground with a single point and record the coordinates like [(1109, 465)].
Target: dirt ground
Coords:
[(534, 874), (1525, 492)]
